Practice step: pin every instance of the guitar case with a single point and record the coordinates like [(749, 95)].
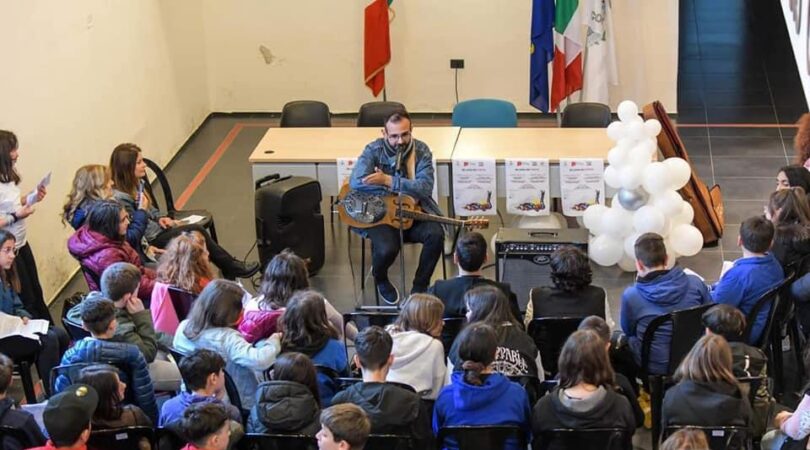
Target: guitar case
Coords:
[(707, 202)]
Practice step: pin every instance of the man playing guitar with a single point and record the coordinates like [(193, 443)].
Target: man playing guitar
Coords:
[(374, 172)]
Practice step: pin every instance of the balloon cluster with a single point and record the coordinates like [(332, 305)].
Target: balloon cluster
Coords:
[(647, 200)]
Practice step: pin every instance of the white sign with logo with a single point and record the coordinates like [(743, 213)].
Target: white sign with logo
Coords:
[(344, 170), (474, 187), (527, 186), (582, 184)]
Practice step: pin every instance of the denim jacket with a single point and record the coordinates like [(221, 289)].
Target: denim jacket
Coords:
[(420, 187)]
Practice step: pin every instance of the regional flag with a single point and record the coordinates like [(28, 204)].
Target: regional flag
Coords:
[(567, 65), (377, 45), (542, 52)]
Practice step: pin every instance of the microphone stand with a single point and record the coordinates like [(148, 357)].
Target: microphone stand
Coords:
[(398, 175)]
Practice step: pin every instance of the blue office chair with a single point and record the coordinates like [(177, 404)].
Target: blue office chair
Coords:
[(485, 113)]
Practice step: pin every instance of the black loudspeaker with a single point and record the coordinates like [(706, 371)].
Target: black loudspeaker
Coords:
[(522, 256), (288, 215)]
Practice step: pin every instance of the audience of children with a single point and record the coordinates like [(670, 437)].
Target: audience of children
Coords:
[(418, 353), (10, 416), (572, 294), (290, 402), (306, 329), (183, 265), (206, 426), (343, 427), (68, 418), (101, 241), (478, 395), (517, 353), (212, 325)]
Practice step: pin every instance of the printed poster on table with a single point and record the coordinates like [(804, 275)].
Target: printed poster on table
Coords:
[(582, 184), (344, 170), (474, 187), (527, 186)]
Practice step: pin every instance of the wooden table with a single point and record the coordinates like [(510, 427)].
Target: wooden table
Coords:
[(313, 152), (551, 143)]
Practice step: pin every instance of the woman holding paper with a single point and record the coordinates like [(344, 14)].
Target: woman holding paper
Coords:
[(128, 172), (14, 208), (51, 345)]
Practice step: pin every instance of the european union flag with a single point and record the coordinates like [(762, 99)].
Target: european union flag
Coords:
[(542, 52)]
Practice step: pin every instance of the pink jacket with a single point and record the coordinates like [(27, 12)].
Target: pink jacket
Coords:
[(259, 324), (163, 313)]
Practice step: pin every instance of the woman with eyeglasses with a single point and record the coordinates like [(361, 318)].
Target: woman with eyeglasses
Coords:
[(14, 209), (101, 241), (52, 345)]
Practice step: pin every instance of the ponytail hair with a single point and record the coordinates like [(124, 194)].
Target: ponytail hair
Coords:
[(477, 346)]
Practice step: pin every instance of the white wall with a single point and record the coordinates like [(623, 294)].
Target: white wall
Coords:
[(318, 52), (80, 77), (799, 41)]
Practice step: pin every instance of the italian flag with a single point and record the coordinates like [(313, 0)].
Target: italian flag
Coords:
[(567, 65)]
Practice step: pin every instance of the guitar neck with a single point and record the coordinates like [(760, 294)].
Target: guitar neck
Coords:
[(433, 218)]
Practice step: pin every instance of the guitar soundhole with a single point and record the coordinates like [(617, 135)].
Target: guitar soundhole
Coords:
[(364, 208)]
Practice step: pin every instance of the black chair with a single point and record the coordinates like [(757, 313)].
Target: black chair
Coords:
[(128, 438), (14, 438), (581, 439), (452, 328), (364, 318), (388, 442), (305, 114), (549, 334), (168, 439), (233, 395), (24, 353), (74, 329), (254, 441), (586, 115), (687, 325), (182, 300), (721, 438), (373, 114), (168, 198), (482, 437), (532, 386)]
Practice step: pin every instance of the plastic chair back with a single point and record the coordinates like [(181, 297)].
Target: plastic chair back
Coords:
[(452, 328), (128, 438), (373, 114), (686, 324), (586, 115), (305, 114), (482, 437), (255, 441), (388, 442), (549, 335), (769, 301), (182, 301), (580, 439), (485, 113), (721, 438), (531, 385)]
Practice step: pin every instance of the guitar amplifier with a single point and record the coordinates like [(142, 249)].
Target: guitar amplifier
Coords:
[(522, 256)]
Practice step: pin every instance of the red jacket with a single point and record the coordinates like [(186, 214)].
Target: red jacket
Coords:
[(95, 252)]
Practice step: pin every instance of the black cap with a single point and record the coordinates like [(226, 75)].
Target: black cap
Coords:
[(69, 412)]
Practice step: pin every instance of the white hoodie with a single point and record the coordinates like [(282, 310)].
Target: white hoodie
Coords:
[(419, 362)]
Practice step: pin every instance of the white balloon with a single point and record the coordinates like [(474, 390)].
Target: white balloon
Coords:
[(668, 202), (648, 219), (686, 240), (630, 245), (630, 176), (656, 178), (627, 110), (648, 147), (627, 264), (593, 218), (652, 127), (617, 156), (626, 143), (636, 130), (612, 177), (686, 215), (617, 222), (616, 130), (605, 250), (679, 172)]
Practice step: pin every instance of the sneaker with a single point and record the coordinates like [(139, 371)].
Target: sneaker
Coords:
[(388, 292)]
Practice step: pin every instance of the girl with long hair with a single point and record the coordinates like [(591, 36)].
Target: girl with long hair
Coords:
[(418, 350), (290, 402), (586, 396), (211, 325), (707, 394), (128, 170), (793, 176), (101, 241), (13, 218), (517, 352), (184, 265), (478, 395)]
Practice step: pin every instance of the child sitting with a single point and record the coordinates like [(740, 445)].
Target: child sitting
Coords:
[(206, 426), (290, 403), (343, 427)]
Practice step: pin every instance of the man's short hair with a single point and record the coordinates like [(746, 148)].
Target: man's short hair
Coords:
[(120, 279), (373, 347), (396, 117), (597, 325), (6, 369), (347, 422), (756, 234), (196, 367), (726, 321), (97, 313), (650, 250), (471, 251), (201, 420)]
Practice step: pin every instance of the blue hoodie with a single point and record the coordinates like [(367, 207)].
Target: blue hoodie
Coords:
[(174, 408), (497, 402), (663, 292), (742, 285)]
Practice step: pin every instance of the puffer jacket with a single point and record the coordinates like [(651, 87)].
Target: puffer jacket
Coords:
[(121, 355), (95, 252), (259, 324), (137, 223), (284, 407)]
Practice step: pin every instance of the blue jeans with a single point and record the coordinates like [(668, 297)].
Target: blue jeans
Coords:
[(385, 248)]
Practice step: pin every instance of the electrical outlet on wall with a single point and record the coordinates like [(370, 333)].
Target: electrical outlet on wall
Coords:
[(456, 63)]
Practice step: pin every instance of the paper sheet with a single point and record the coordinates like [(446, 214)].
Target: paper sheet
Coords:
[(13, 326), (32, 196), (192, 219)]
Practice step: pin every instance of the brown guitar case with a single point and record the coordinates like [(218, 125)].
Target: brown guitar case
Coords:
[(707, 203)]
